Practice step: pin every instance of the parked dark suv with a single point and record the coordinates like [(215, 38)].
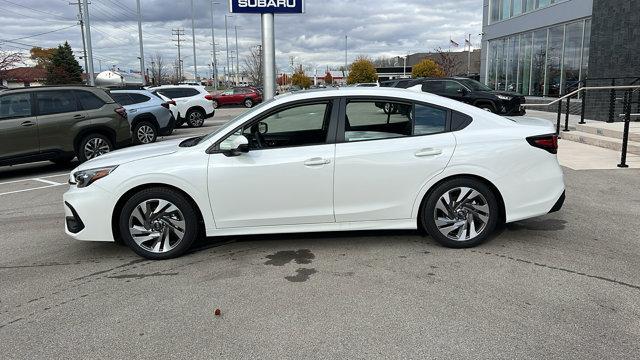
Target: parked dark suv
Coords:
[(58, 123), (475, 93)]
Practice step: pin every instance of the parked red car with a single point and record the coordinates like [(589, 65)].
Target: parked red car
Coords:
[(246, 96)]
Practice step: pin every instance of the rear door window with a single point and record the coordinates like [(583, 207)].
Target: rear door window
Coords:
[(15, 105), (188, 92), (429, 120), (369, 120), (433, 86), (56, 102)]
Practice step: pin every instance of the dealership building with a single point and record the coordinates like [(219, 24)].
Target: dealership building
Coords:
[(545, 47)]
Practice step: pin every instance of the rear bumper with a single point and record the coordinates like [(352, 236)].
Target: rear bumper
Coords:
[(168, 129)]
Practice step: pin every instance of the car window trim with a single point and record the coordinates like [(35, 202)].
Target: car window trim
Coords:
[(331, 128), (340, 135)]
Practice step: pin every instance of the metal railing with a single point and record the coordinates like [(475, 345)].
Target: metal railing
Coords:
[(628, 100)]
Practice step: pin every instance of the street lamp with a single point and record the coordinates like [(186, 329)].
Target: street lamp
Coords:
[(226, 39), (237, 54)]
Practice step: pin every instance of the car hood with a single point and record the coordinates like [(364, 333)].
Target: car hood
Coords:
[(133, 153)]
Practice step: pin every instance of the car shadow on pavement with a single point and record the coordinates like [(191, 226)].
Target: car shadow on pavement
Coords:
[(35, 169)]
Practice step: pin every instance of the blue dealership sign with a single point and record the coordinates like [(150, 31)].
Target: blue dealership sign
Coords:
[(267, 6)]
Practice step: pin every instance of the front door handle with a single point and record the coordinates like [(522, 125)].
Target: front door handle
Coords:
[(28, 123), (316, 161), (428, 152), (78, 116)]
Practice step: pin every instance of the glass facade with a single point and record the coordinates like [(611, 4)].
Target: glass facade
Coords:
[(544, 62), (505, 9)]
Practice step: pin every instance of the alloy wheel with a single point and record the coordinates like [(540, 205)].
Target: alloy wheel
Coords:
[(461, 213), (157, 225), (196, 118), (96, 147), (145, 134)]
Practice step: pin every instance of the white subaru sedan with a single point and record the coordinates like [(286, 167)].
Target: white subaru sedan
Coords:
[(334, 160)]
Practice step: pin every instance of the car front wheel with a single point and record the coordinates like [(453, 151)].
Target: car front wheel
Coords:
[(93, 145), (195, 118), (158, 223), (461, 212)]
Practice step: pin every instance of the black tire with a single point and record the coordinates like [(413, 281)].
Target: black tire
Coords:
[(195, 118), (98, 142), (215, 104), (189, 215), (179, 123), (144, 132), (248, 103), (428, 213)]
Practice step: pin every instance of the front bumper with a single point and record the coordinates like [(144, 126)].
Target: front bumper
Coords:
[(88, 213), (558, 205), (210, 115)]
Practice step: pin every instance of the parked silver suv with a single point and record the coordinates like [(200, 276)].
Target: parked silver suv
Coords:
[(149, 115)]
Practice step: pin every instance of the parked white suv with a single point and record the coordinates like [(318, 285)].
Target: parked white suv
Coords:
[(193, 103)]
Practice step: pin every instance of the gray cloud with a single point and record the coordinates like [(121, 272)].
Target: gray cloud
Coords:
[(375, 28)]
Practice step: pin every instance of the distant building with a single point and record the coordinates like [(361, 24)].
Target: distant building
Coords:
[(459, 59), (23, 77)]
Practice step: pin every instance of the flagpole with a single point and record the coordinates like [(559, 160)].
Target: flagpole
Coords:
[(469, 56)]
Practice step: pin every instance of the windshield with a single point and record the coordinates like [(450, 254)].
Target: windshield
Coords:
[(475, 85), (251, 112)]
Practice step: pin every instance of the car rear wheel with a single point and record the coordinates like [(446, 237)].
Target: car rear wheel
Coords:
[(92, 146), (215, 104), (461, 212), (195, 118), (248, 103), (144, 132), (158, 223)]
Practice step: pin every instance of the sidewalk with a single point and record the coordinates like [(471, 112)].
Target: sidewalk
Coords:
[(579, 156)]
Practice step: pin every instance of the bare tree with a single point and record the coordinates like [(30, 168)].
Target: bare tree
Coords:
[(447, 61), (9, 59), (159, 69), (253, 65)]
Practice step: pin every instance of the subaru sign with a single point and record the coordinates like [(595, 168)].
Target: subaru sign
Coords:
[(266, 6)]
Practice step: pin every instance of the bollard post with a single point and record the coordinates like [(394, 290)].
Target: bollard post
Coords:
[(559, 114), (584, 103), (625, 135), (612, 101), (566, 116)]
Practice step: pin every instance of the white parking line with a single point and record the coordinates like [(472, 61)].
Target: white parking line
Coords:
[(32, 179), (35, 188), (48, 181)]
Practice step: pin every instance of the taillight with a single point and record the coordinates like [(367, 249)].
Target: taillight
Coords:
[(208, 97), (121, 111), (545, 142)]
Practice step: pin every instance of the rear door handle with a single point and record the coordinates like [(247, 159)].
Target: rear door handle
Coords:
[(77, 117), (428, 152), (316, 161), (28, 123)]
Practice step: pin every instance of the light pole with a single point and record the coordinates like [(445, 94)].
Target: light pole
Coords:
[(193, 39), (237, 55), (226, 40), (214, 64), (144, 81)]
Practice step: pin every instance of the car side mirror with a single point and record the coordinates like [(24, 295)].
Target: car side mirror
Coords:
[(263, 128), (462, 91), (236, 146)]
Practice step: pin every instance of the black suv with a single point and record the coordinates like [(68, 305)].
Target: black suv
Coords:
[(471, 92), (58, 123)]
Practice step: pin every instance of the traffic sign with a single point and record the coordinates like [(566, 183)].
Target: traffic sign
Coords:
[(267, 6)]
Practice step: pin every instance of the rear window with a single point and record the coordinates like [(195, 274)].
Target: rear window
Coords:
[(89, 101)]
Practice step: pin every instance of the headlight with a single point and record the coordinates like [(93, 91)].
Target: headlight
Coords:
[(84, 178), (504, 97)]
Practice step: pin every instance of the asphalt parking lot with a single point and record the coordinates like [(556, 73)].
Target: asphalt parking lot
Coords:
[(565, 285)]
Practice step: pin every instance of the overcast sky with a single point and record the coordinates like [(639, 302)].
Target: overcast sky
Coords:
[(374, 28)]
